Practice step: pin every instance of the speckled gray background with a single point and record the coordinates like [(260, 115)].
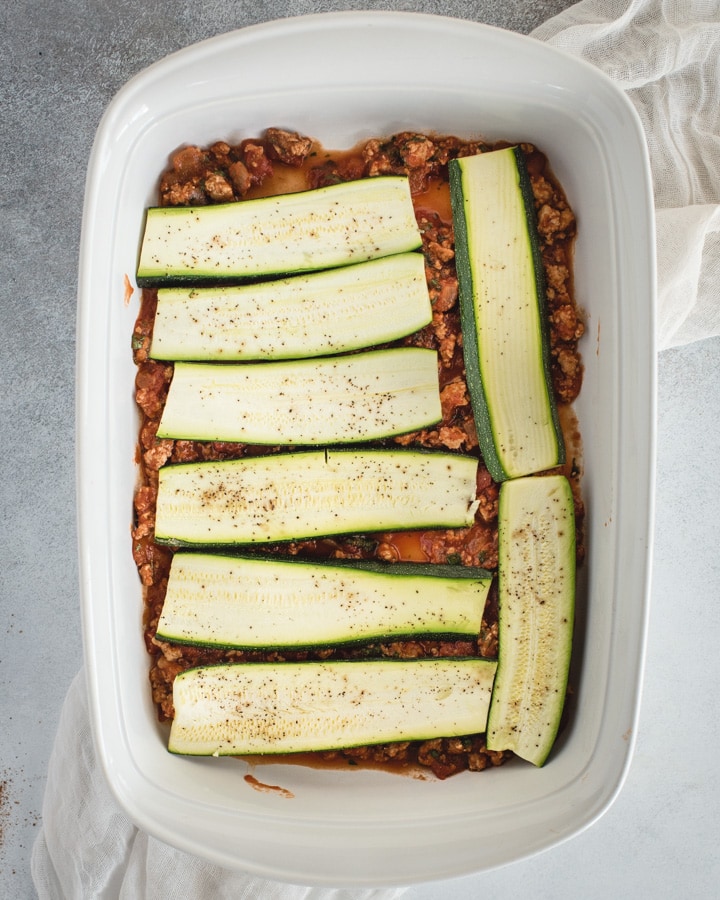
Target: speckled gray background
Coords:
[(61, 64)]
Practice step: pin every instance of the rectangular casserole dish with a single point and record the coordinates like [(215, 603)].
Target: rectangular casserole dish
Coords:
[(341, 78)]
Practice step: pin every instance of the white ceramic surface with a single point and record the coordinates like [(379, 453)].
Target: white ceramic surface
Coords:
[(342, 77)]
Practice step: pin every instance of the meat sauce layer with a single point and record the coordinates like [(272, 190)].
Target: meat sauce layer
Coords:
[(282, 161)]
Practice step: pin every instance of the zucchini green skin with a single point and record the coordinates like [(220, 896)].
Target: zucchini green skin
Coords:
[(299, 232), (536, 610), (334, 311), (312, 493), (348, 399), (492, 305), (256, 602), (411, 569), (270, 708)]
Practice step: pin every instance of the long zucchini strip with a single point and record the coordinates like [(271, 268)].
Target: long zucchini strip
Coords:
[(346, 399), (536, 604), (502, 306), (264, 602), (300, 232), (288, 496), (328, 312), (259, 708)]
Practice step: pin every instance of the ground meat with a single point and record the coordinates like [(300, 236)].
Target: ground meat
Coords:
[(257, 163), (418, 156), (444, 296), (157, 455), (446, 756), (218, 188), (447, 335), (542, 189), (474, 546), (452, 396), (288, 147), (557, 278), (566, 323), (220, 174), (151, 386), (224, 173), (415, 151), (240, 178), (566, 373), (188, 192), (387, 552), (452, 437), (554, 222), (189, 162)]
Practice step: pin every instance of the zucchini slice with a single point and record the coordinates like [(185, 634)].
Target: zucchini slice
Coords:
[(502, 308), (342, 309), (337, 399), (263, 602), (536, 604), (258, 708), (298, 232), (288, 496)]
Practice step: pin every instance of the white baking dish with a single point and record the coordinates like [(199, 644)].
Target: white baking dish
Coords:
[(340, 78)]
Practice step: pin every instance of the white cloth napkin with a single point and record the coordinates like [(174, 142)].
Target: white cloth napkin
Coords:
[(87, 849), (666, 55)]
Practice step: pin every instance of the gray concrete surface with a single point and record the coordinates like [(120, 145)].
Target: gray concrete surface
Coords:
[(61, 62)]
